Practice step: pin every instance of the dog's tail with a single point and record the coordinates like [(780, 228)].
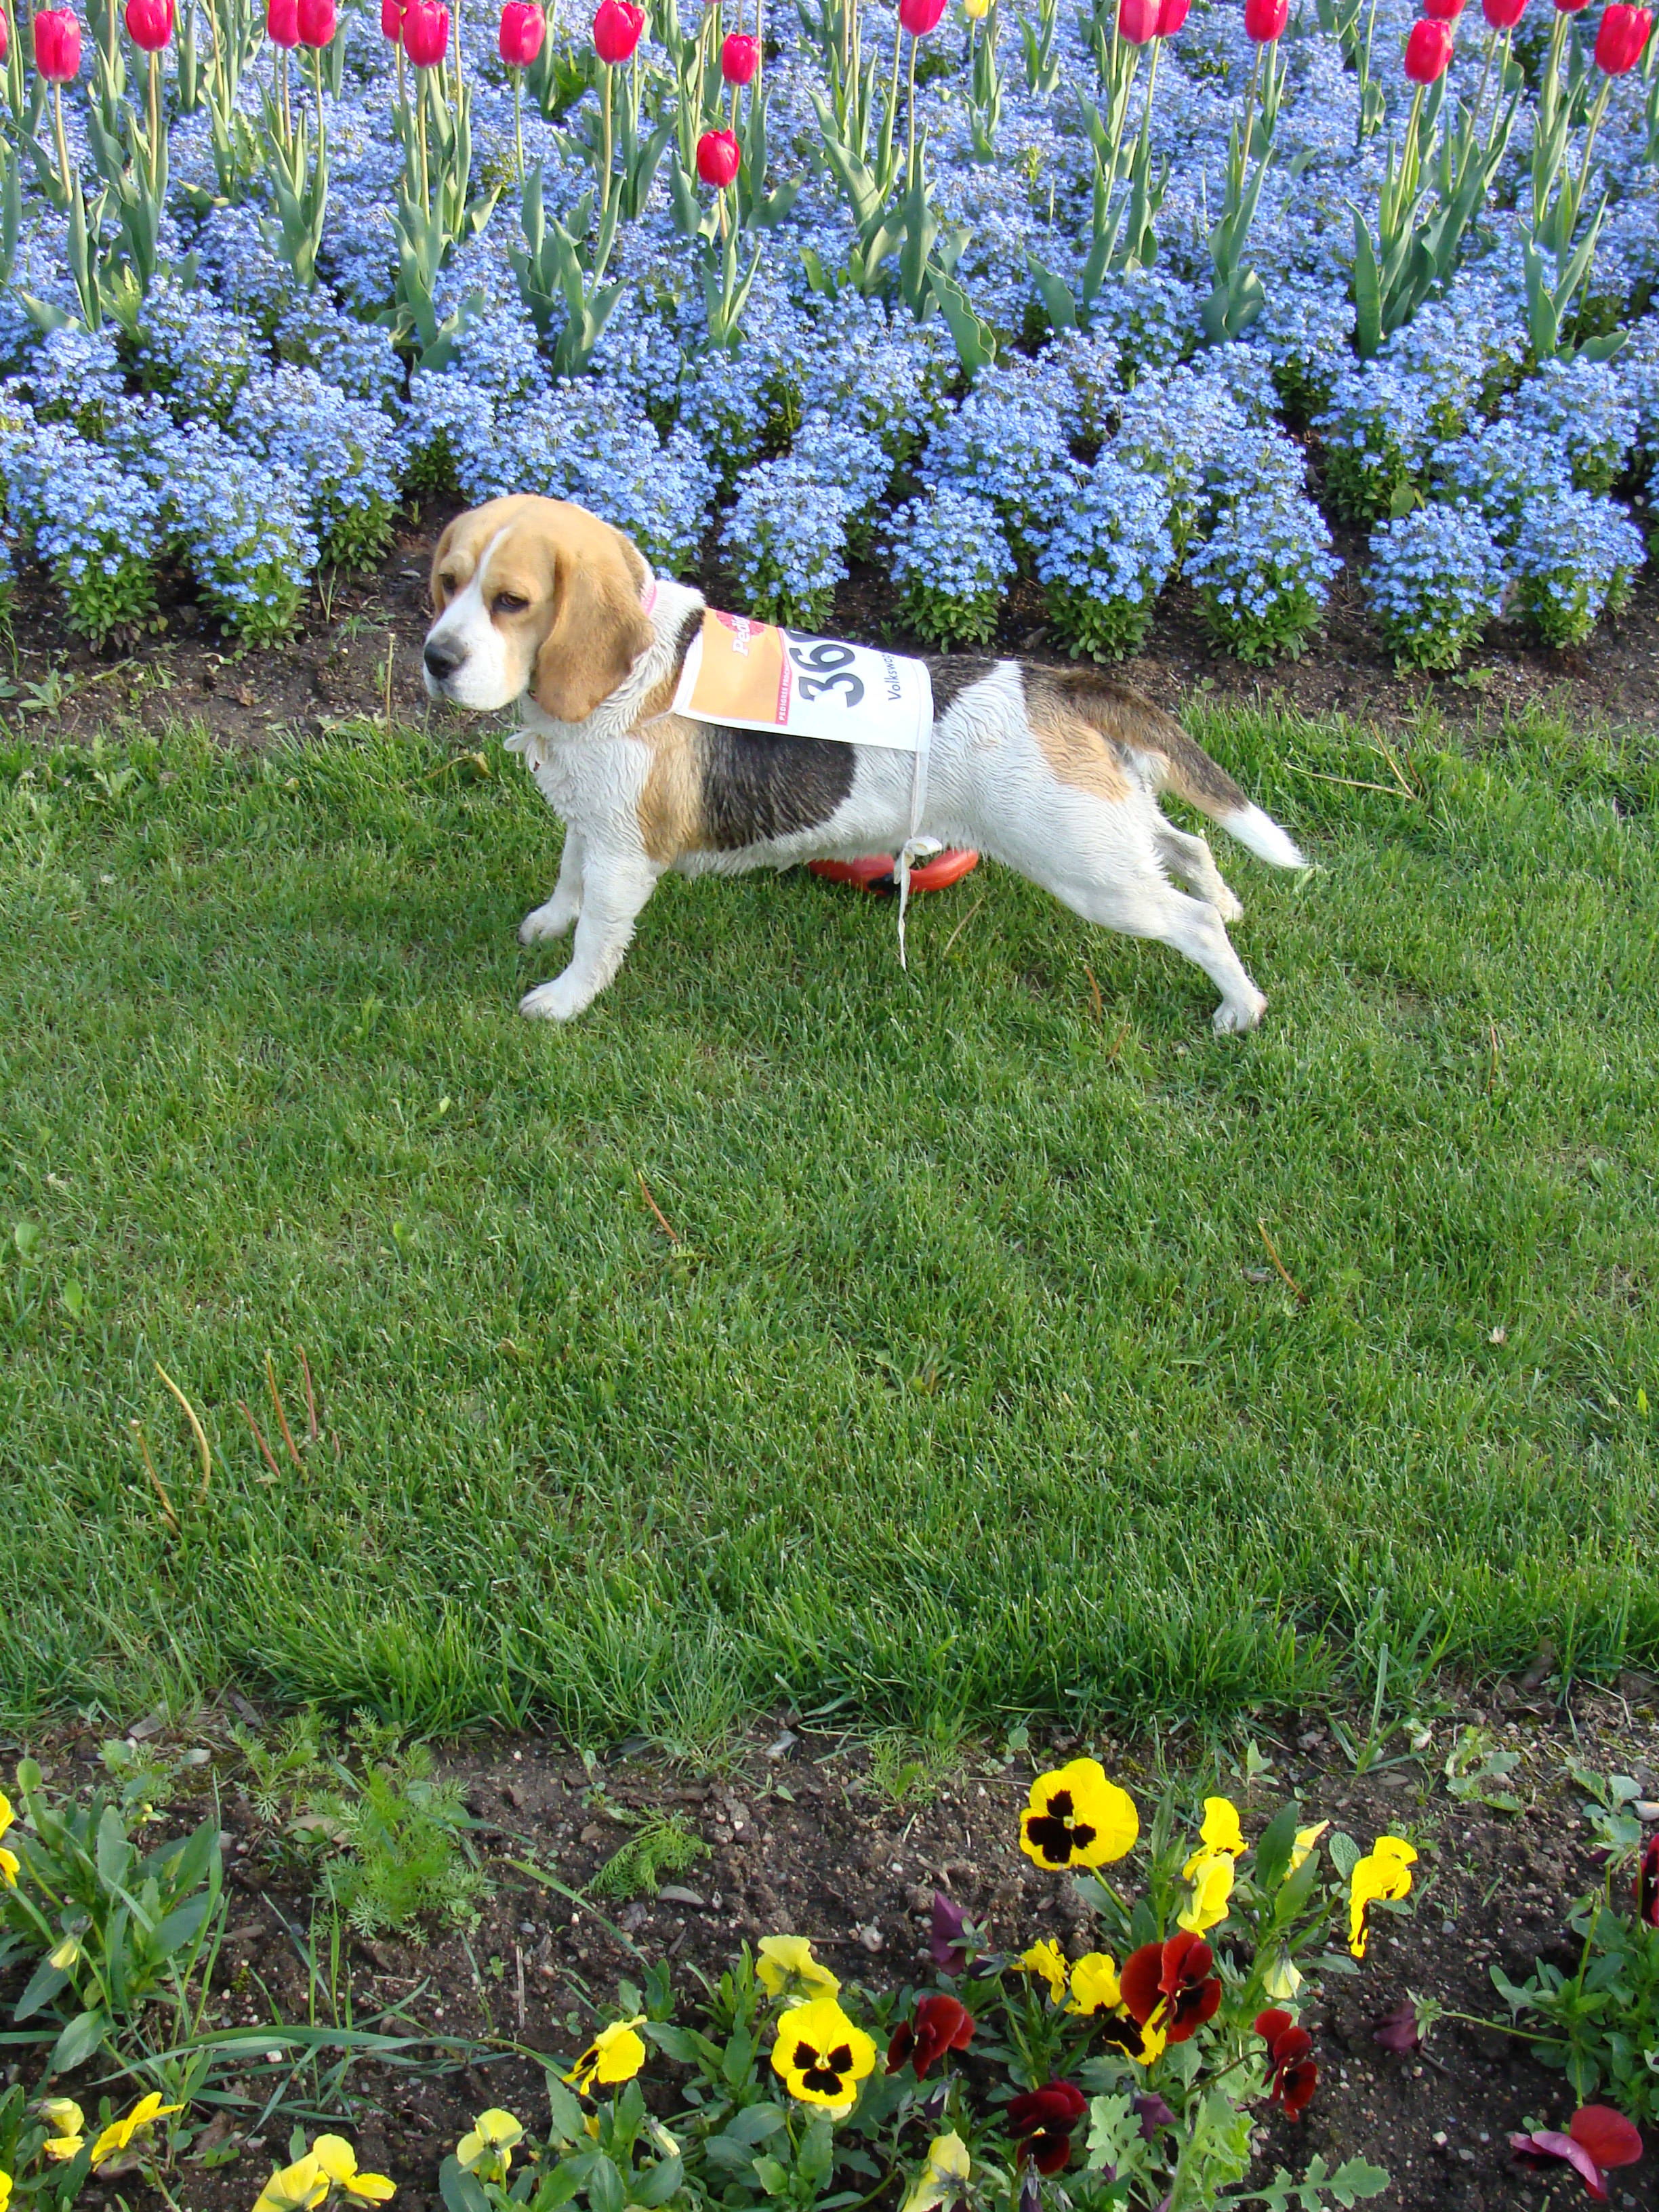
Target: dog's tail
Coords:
[(1203, 783)]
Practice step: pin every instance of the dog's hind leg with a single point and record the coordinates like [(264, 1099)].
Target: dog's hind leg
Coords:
[(556, 915), (1191, 862), (614, 890), (1146, 905)]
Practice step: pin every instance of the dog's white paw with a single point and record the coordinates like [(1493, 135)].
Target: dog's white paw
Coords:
[(1235, 1017), (550, 920), (560, 1001), (1228, 904)]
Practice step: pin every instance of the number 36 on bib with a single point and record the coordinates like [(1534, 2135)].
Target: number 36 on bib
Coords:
[(754, 675)]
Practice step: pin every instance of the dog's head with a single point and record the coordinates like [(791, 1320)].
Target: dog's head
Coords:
[(536, 596)]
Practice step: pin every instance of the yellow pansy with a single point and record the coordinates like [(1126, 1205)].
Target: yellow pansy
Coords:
[(1211, 1874), (787, 1969), (488, 2150), (1281, 1981), (1047, 1960), (1077, 1818), (945, 2175), (120, 2133), (1124, 2033), (1384, 1873), (820, 2058), (66, 1955), (1221, 1831), (5, 2191), (616, 2054), (339, 2162), (1305, 1840), (1094, 1985), (297, 2188), (62, 2115), (10, 1865)]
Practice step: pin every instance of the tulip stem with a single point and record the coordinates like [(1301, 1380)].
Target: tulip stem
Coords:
[(517, 118), (63, 142), (420, 138), (605, 200), (910, 151), (322, 134), (155, 125)]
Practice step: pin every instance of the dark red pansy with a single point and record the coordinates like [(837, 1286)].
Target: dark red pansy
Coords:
[(1177, 1976), (941, 2025), (1647, 1884), (1043, 2119), (1295, 2076), (1597, 2138)]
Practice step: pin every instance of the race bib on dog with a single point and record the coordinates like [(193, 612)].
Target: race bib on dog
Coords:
[(755, 676)]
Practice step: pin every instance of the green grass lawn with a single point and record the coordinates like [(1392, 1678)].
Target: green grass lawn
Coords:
[(964, 1390)]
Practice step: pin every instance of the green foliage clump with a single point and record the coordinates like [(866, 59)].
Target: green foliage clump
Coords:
[(661, 1847)]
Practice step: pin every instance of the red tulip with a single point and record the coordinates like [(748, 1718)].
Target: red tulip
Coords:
[(57, 43), (739, 58), (282, 22), (426, 33), (1265, 20), (150, 24), (1570, 7), (392, 20), (1622, 33), (5, 37), (1137, 20), (1428, 51), (920, 16), (617, 30), (523, 28), (317, 21), (1503, 15), (718, 156), (1443, 12), (1171, 15)]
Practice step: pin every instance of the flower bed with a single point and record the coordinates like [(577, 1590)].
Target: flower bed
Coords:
[(1099, 300)]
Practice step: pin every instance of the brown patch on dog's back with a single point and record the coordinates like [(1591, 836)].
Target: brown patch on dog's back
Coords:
[(1129, 735), (953, 675)]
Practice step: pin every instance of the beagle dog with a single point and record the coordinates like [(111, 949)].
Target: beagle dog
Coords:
[(1056, 772)]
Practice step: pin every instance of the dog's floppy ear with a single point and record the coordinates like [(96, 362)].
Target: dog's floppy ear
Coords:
[(439, 597), (599, 627)]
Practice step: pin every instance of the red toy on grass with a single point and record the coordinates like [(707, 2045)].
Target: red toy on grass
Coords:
[(875, 871)]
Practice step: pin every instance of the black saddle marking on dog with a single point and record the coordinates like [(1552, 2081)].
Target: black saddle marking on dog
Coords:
[(756, 785), (953, 675)]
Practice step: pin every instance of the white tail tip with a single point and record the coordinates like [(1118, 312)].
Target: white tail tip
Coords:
[(1260, 833)]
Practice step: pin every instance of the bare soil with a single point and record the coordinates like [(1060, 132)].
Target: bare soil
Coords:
[(802, 1838), (333, 670)]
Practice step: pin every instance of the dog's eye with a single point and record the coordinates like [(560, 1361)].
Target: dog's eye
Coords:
[(507, 602)]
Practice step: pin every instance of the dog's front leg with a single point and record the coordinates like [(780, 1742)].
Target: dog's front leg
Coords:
[(555, 914), (614, 890)]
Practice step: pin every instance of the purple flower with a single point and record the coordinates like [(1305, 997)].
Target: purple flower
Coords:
[(947, 1943), (1400, 2031), (1152, 2113)]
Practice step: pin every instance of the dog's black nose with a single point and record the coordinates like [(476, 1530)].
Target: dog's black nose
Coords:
[(442, 661)]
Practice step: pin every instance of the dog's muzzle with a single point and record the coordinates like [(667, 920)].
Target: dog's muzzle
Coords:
[(442, 660)]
